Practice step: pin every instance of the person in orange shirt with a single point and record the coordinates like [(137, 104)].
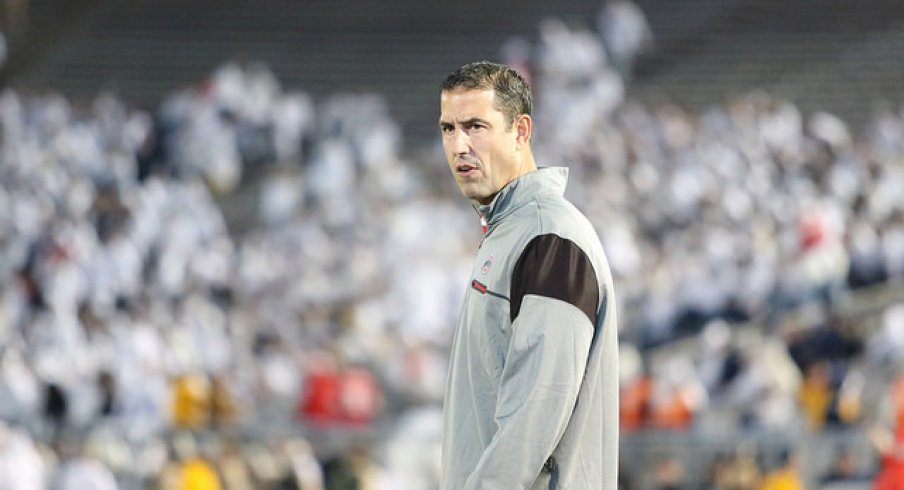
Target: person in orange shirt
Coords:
[(635, 404)]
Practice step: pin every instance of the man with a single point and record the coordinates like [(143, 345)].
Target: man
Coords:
[(532, 395)]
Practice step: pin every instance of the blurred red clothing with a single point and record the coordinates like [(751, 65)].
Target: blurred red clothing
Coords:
[(320, 403), (891, 469), (360, 397), (350, 397)]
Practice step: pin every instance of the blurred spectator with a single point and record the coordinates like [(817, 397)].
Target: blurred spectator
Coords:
[(867, 258), (816, 393), (890, 447), (352, 470), (846, 408), (56, 407), (360, 397), (626, 477), (339, 474), (340, 395), (282, 196), (265, 466), (197, 474), (191, 401), (232, 467), (223, 409), (887, 345), (625, 32), (21, 465), (829, 339), (786, 476), (668, 474), (320, 402), (305, 471), (844, 470), (677, 395), (720, 362), (191, 469), (737, 471), (107, 387), (413, 449), (19, 389), (81, 470), (895, 399), (635, 390), (764, 394), (517, 52)]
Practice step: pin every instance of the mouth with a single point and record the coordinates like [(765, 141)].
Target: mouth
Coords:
[(464, 169)]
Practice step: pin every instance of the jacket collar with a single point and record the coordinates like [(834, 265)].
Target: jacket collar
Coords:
[(545, 180)]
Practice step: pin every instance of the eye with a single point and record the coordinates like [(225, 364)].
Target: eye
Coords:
[(447, 129)]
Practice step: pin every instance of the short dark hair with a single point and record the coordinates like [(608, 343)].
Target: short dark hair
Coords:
[(513, 95)]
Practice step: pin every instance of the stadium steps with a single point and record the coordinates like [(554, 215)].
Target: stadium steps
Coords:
[(821, 54), (34, 28), (869, 67), (831, 54), (144, 49)]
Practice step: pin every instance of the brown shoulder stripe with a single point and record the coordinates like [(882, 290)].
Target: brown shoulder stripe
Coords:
[(555, 267)]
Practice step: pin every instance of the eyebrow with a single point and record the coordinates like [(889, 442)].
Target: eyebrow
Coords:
[(467, 122)]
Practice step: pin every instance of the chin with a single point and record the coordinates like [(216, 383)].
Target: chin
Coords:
[(474, 196)]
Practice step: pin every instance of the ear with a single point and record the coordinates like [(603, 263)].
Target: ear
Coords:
[(523, 126)]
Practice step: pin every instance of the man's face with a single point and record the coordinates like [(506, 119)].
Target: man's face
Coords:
[(480, 147)]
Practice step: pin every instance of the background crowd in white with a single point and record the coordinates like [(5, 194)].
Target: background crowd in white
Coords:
[(115, 256)]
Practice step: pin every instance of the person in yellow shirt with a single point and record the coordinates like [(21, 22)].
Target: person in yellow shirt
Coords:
[(197, 474), (191, 401), (188, 469), (816, 393), (786, 477)]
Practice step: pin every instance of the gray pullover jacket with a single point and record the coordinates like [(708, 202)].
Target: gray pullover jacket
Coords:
[(532, 394)]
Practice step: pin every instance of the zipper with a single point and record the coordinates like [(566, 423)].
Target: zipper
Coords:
[(482, 289)]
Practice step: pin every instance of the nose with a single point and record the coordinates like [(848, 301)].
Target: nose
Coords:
[(460, 143)]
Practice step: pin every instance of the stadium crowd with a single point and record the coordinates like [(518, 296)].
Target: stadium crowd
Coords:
[(147, 341)]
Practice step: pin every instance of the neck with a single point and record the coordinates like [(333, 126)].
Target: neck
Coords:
[(528, 164)]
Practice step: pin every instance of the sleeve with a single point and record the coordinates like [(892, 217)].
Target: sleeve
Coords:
[(554, 303)]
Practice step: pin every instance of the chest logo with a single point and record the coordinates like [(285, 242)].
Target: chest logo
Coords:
[(486, 265)]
